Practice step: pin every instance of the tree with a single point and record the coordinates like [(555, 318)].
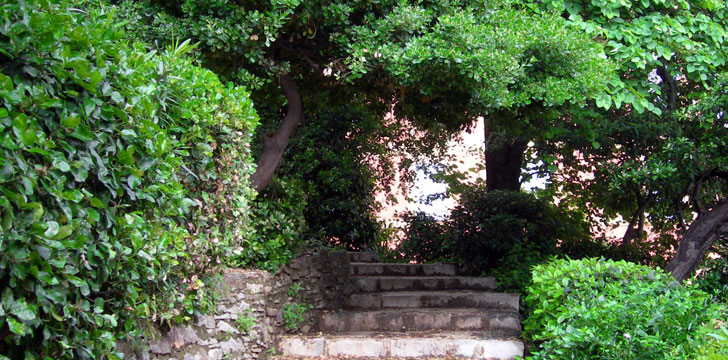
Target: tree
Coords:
[(440, 64), (647, 151)]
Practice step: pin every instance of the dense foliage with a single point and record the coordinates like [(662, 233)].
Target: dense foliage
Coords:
[(433, 65), (425, 239), (276, 228), (333, 161), (121, 173), (488, 224), (657, 167), (601, 309), (713, 277)]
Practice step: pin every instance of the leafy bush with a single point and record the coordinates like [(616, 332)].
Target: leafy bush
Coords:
[(717, 346), (331, 157), (601, 309), (120, 172), (713, 278), (487, 224), (514, 269), (275, 227), (425, 238)]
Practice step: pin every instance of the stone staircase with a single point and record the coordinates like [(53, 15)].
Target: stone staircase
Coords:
[(413, 311)]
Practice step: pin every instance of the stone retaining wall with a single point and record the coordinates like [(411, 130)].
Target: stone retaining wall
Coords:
[(259, 298)]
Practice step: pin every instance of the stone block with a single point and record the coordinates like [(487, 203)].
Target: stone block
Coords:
[(362, 347), (295, 346)]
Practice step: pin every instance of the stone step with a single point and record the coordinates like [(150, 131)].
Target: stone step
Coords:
[(393, 320), (373, 269), (389, 346), (414, 283), (434, 299), (363, 257)]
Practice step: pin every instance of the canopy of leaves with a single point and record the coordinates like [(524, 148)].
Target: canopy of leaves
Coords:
[(681, 38), (437, 65), (670, 54), (120, 170)]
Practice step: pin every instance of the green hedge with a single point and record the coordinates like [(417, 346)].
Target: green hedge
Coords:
[(122, 173), (602, 309)]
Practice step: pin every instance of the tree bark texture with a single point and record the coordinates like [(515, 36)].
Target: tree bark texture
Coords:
[(700, 237), (275, 144), (503, 161)]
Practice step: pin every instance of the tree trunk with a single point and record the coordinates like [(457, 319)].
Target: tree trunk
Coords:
[(700, 237), (275, 144), (636, 227), (503, 160)]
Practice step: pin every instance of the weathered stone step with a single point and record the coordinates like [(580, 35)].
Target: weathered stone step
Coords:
[(414, 283), (363, 257), (387, 345), (434, 299), (372, 269), (392, 320)]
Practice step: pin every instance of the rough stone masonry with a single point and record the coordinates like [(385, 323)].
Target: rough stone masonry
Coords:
[(323, 280)]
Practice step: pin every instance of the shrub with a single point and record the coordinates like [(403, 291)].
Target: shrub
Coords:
[(487, 224), (275, 228), (514, 269), (425, 239), (713, 278), (601, 309), (120, 173), (717, 344)]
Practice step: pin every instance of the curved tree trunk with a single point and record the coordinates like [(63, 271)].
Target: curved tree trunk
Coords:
[(503, 161), (700, 237), (275, 144)]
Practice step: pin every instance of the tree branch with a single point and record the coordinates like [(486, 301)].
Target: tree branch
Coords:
[(275, 144), (638, 220), (670, 81)]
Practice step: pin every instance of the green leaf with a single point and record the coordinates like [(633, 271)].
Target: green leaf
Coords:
[(23, 310), (136, 239), (7, 221), (52, 229), (89, 106), (604, 101), (71, 121), (99, 305), (83, 133), (61, 164), (6, 83), (73, 195), (95, 202), (63, 232), (16, 327)]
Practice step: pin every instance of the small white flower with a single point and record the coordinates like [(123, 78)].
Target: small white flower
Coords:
[(377, 55), (327, 71), (627, 336)]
